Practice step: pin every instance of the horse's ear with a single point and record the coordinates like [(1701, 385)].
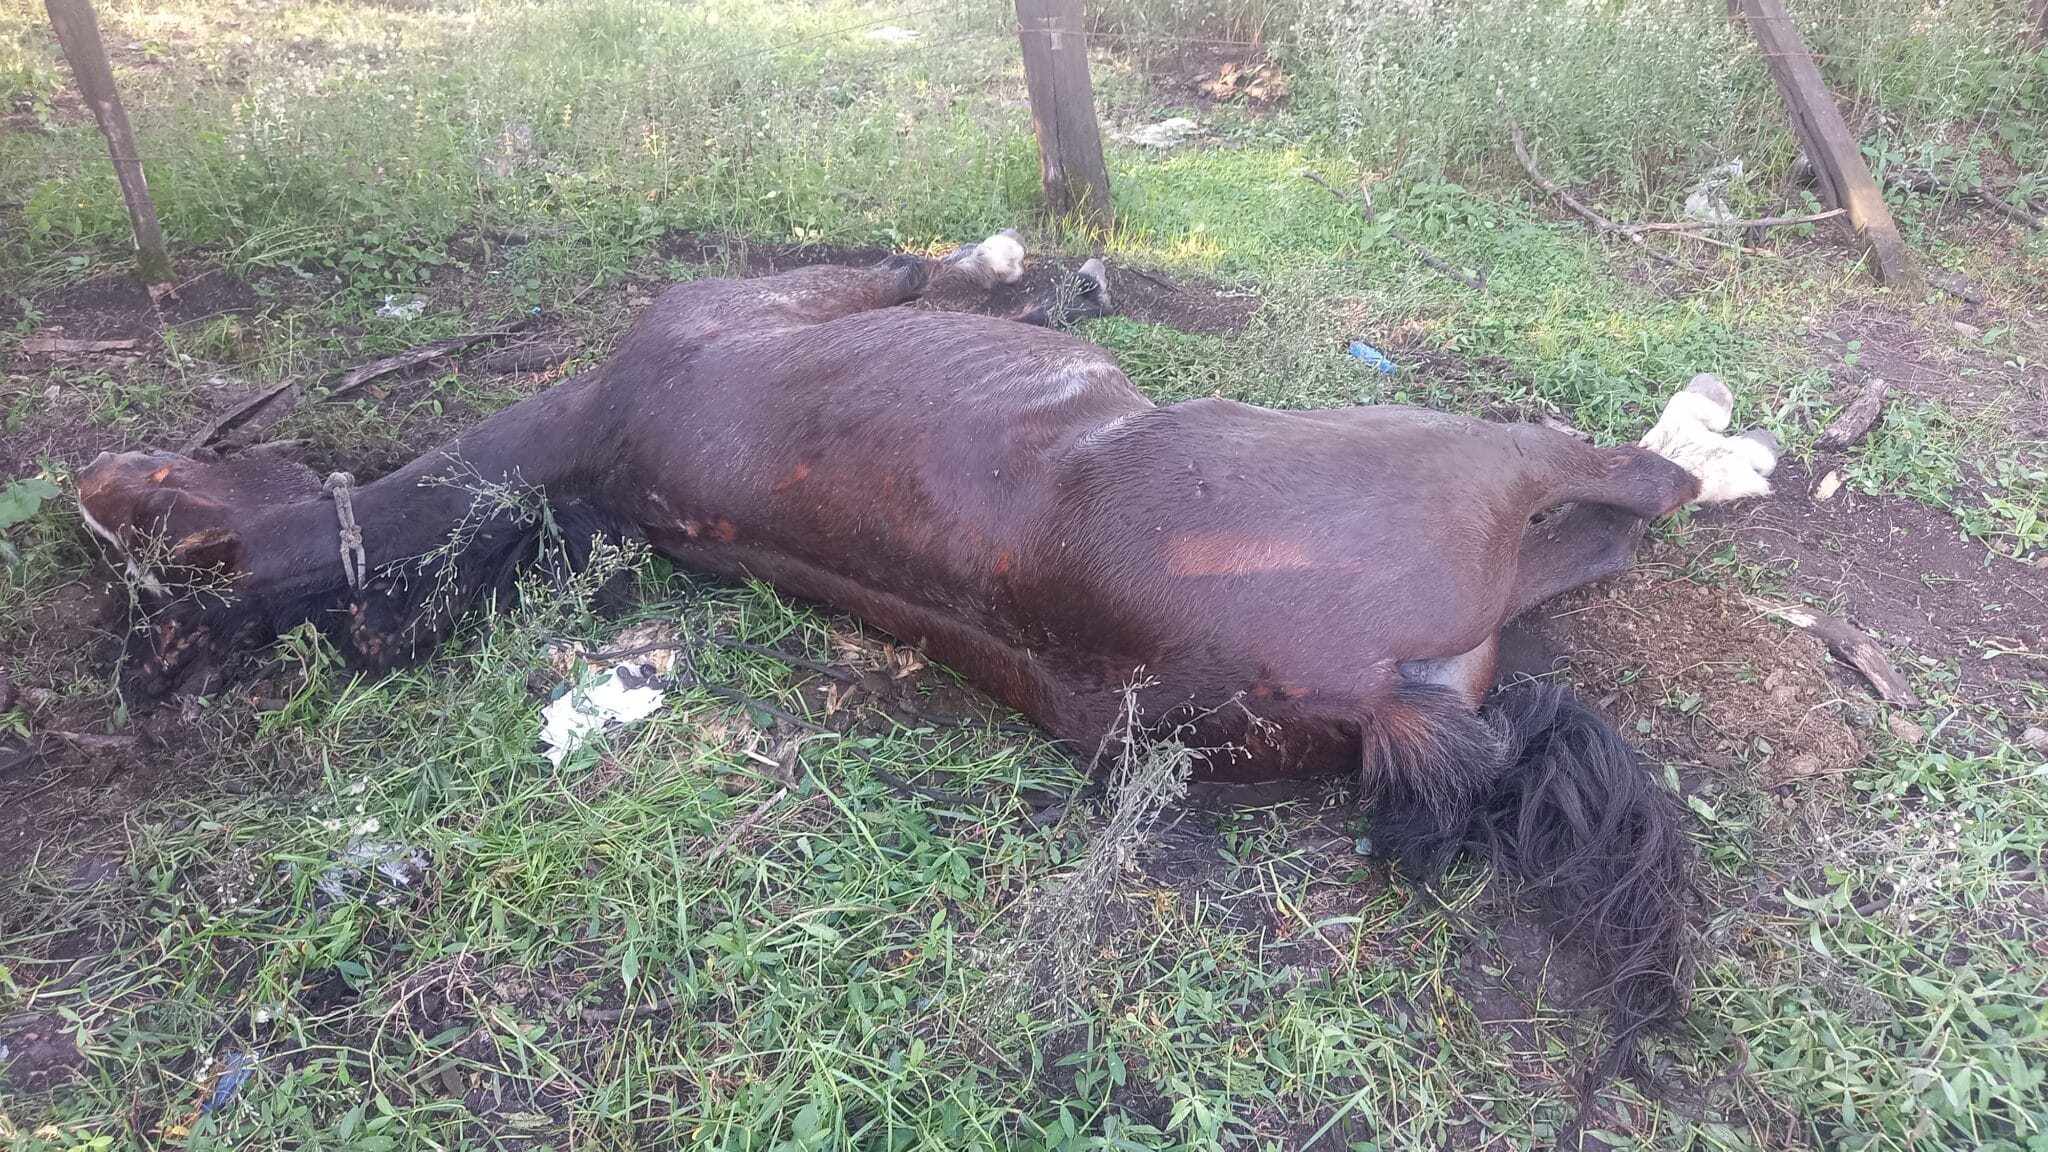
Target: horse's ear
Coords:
[(208, 550)]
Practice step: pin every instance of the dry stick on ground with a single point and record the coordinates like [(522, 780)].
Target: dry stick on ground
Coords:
[(893, 782), (1717, 242), (1477, 284), (850, 677), (1926, 183), (58, 346), (348, 382), (785, 771), (740, 827), (1601, 224), (1856, 419), (608, 1015), (1849, 645), (97, 741), (1764, 222)]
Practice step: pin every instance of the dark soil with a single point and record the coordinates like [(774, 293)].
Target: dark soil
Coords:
[(1952, 612), (1198, 76), (1970, 620), (117, 307), (65, 394), (1943, 366), (41, 1052), (1694, 676)]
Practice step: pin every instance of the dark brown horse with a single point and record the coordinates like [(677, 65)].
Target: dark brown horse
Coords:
[(1319, 592)]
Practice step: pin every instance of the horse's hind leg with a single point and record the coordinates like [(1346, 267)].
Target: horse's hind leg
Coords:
[(1685, 459), (1574, 546), (702, 309)]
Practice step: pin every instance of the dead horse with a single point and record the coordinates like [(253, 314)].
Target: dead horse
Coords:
[(1320, 591)]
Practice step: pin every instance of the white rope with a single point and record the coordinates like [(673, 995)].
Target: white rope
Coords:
[(354, 565)]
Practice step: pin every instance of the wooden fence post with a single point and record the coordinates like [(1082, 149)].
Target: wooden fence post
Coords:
[(78, 30), (1837, 160), (2037, 24), (1055, 44)]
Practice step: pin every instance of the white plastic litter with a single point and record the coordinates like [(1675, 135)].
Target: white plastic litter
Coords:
[(1704, 202), (400, 866), (615, 696), (893, 34), (410, 310), (1167, 133)]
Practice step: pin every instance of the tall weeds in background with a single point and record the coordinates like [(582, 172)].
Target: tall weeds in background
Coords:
[(350, 135), (1637, 95), (356, 136), (1626, 91)]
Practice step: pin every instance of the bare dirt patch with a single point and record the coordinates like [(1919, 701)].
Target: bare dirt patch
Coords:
[(1692, 675), (1864, 342), (70, 405), (117, 307), (1202, 74), (1902, 571)]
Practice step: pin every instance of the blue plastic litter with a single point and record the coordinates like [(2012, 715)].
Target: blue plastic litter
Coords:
[(1372, 356), (240, 1066)]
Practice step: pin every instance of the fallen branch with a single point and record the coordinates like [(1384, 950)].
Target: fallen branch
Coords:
[(58, 346), (1926, 183), (348, 381), (1731, 245), (740, 826), (1766, 222), (1849, 646), (890, 780), (534, 357), (1476, 283), (1856, 419), (851, 677), (1600, 223), (96, 741)]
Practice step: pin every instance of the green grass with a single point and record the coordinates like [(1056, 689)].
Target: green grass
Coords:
[(827, 981), (845, 972)]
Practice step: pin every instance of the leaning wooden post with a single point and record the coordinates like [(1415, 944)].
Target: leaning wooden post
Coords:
[(1055, 45), (2037, 24), (78, 30), (1844, 179)]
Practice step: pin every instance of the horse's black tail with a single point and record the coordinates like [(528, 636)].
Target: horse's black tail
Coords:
[(1543, 787)]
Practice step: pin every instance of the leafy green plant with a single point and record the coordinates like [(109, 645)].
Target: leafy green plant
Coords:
[(19, 503)]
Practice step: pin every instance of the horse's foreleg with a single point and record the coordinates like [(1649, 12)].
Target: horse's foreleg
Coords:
[(1082, 295)]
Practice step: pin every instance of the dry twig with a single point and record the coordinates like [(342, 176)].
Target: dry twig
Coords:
[(348, 382), (1849, 645), (1600, 223), (1765, 222)]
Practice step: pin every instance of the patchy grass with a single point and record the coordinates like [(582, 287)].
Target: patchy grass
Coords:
[(720, 932)]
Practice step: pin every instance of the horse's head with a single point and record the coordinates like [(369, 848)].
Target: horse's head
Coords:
[(185, 527)]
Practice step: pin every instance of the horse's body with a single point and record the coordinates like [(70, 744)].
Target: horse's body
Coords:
[(1321, 592)]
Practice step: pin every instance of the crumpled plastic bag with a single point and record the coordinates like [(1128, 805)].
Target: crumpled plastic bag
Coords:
[(616, 696)]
